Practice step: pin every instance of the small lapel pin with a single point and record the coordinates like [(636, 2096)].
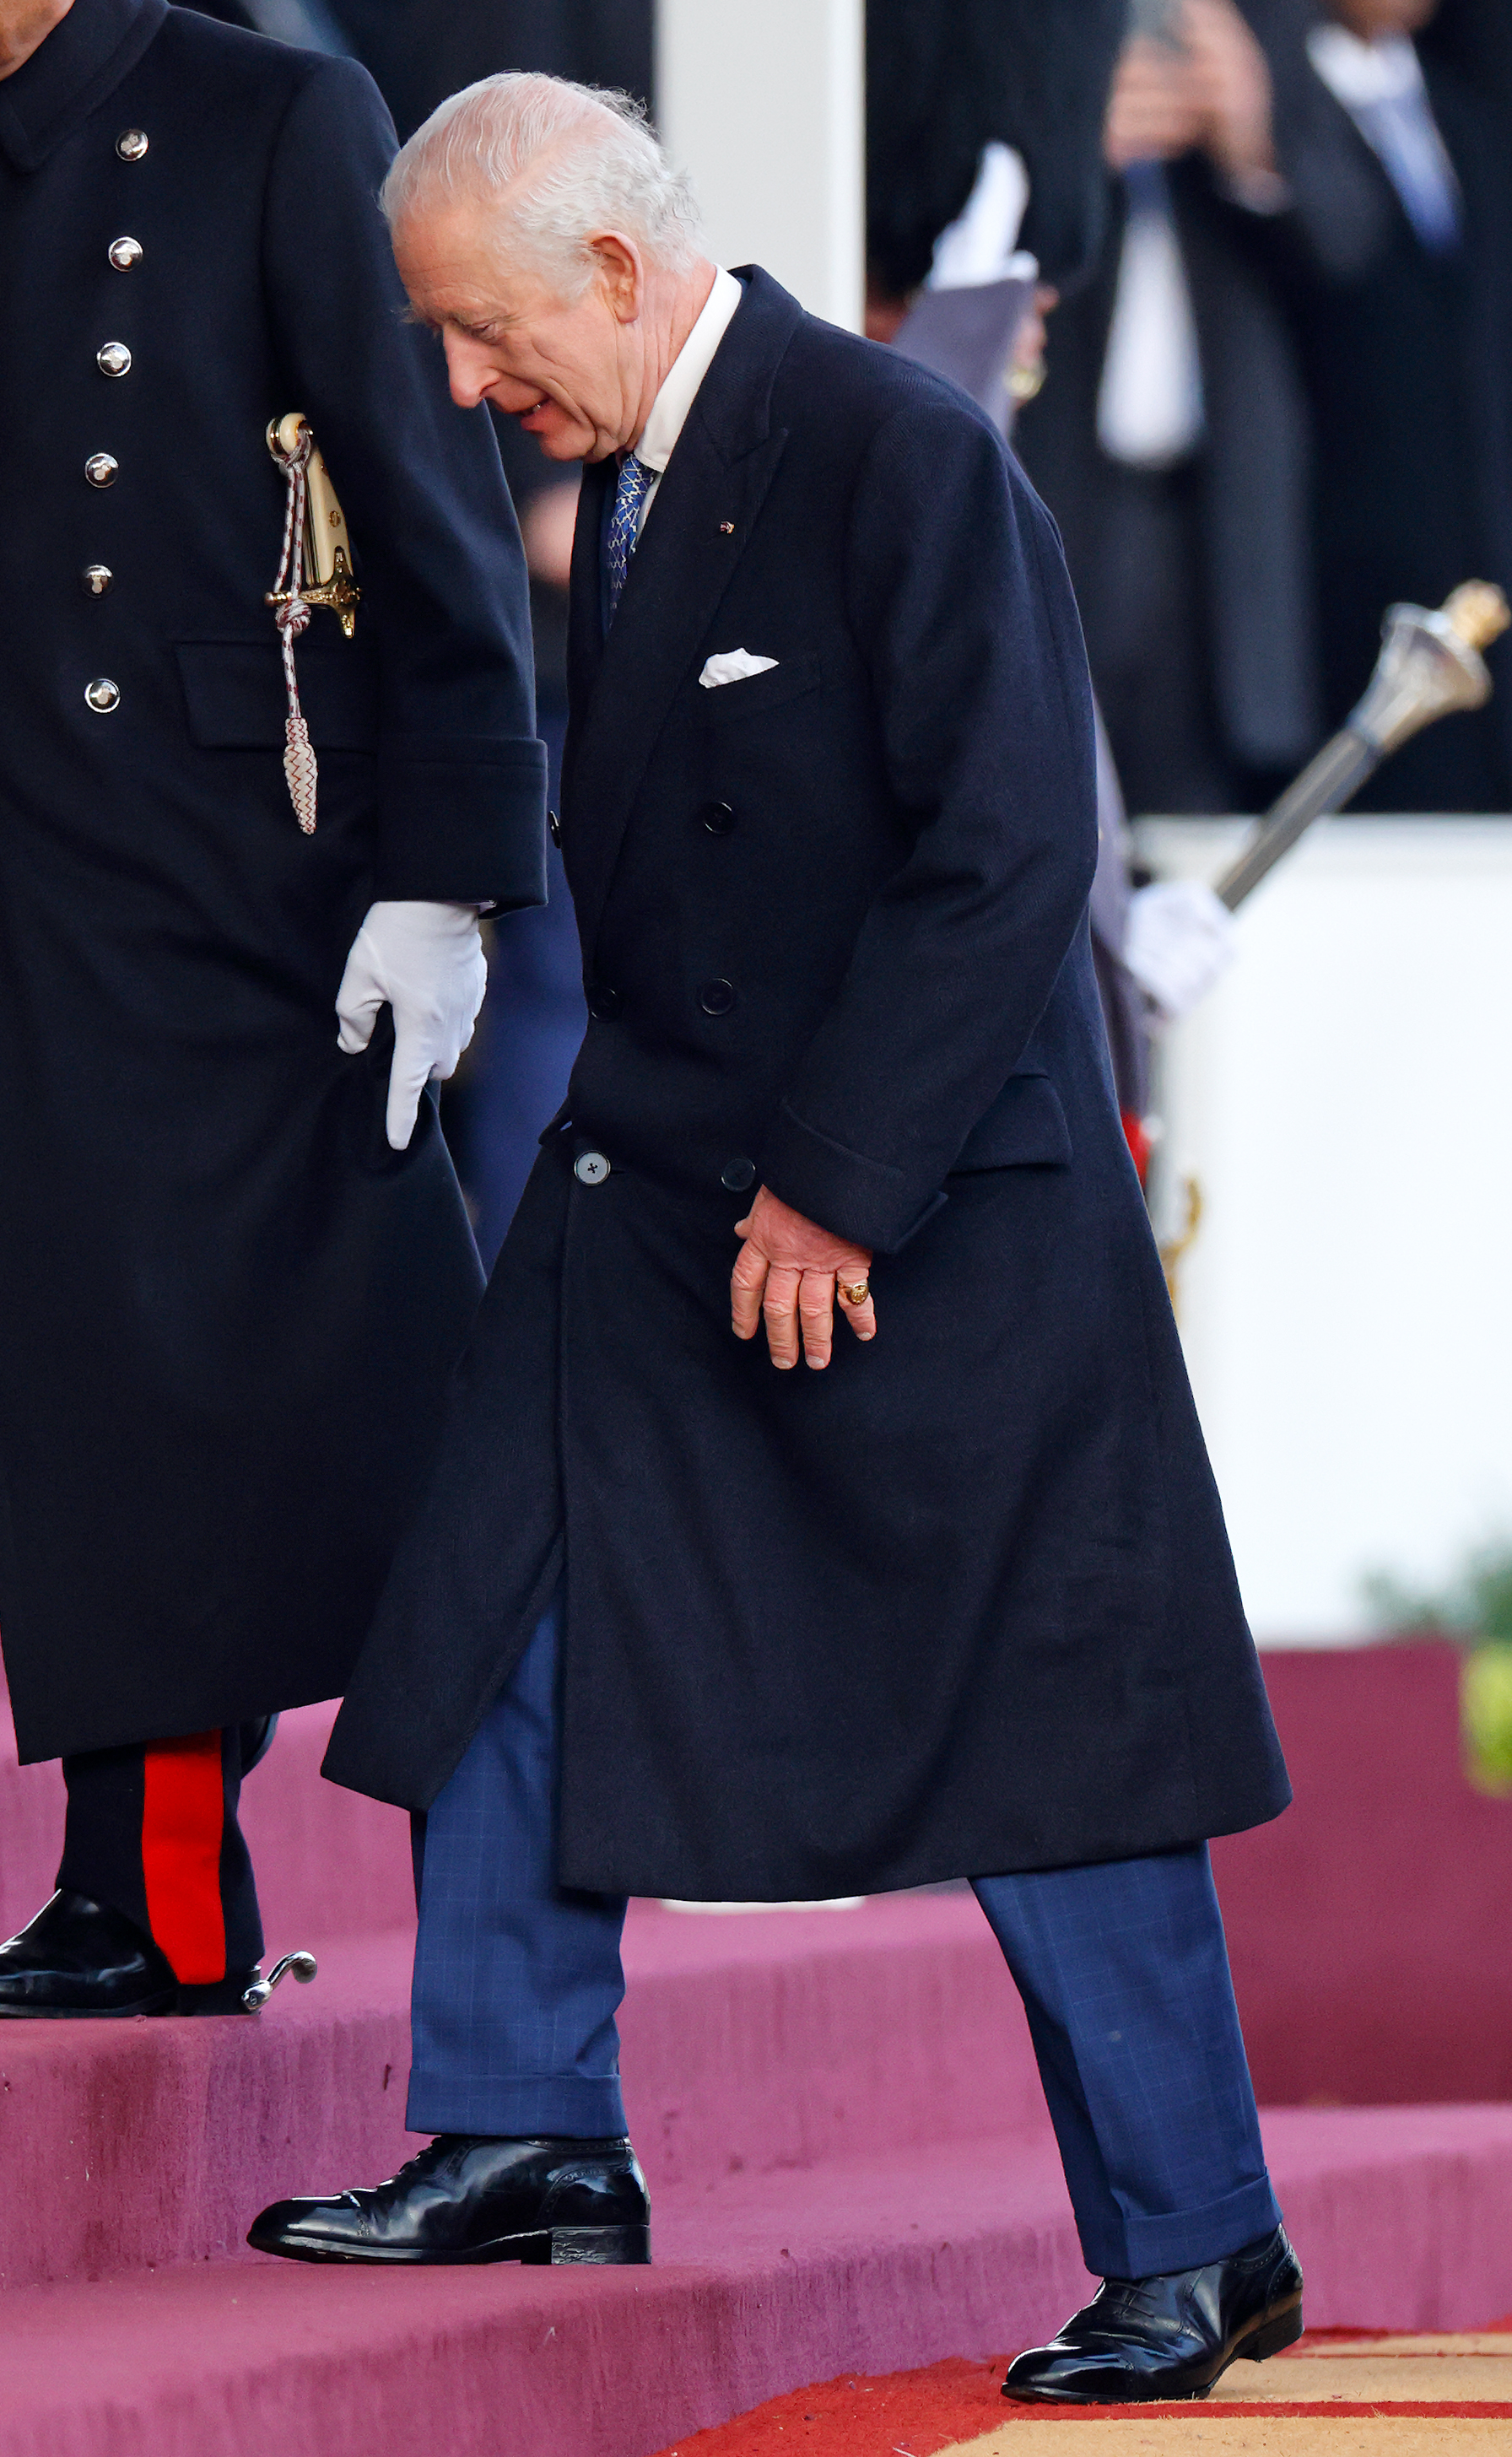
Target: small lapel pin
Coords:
[(727, 529)]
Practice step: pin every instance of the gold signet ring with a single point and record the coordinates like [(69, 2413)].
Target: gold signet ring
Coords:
[(854, 1292)]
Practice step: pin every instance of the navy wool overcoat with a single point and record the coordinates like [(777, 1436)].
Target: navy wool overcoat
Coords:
[(963, 1604), (227, 1310)]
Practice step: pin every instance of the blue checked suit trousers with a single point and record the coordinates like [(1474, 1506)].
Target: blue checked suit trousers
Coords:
[(1122, 1967)]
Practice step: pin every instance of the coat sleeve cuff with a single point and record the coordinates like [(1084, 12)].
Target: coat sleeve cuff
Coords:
[(865, 1200), (461, 821)]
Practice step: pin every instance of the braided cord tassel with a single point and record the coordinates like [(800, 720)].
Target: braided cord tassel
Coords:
[(300, 767)]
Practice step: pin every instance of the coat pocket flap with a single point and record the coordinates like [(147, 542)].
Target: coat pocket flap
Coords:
[(235, 694), (1026, 1124), (755, 694)]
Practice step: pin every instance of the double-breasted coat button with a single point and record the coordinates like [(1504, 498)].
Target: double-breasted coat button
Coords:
[(717, 998), (114, 359), (132, 144), (717, 817), (590, 1168), (101, 468), (738, 1175), (103, 695), (96, 578), (126, 254), (604, 1002)]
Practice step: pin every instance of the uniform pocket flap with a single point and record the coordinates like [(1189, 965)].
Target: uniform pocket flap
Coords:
[(1026, 1124), (235, 693), (755, 694)]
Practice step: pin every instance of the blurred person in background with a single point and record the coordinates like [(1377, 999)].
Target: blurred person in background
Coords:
[(1171, 438), (1403, 323), (1280, 405), (986, 145)]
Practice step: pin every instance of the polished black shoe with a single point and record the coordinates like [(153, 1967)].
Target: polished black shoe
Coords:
[(80, 1958), (81, 1961), (1146, 2338), (466, 2199)]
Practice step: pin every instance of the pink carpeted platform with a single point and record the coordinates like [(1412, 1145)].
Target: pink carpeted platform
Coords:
[(839, 2112), (1371, 1927), (761, 2283)]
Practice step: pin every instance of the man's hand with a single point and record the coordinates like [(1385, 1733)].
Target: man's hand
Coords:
[(787, 1272), (1154, 111), (427, 962), (1205, 87), (1231, 78)]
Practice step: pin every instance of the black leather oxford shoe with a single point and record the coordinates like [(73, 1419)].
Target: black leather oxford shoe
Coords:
[(465, 2199), (1144, 2339), (79, 1960)]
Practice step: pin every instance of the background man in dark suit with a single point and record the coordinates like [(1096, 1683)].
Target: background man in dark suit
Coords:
[(955, 1597), (236, 1271), (1402, 321)]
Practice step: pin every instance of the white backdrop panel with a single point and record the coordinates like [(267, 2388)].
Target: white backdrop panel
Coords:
[(1345, 1099), (764, 106)]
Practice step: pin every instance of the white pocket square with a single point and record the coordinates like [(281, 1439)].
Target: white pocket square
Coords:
[(734, 665)]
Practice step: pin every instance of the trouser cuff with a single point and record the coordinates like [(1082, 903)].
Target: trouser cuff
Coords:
[(1150, 2247), (552, 2105)]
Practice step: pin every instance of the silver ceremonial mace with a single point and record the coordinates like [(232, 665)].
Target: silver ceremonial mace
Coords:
[(1429, 666)]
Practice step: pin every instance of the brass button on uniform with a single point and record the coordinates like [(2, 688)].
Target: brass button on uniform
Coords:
[(590, 1168), (132, 144), (717, 998), (101, 468), (96, 579), (739, 1176), (126, 254), (718, 818), (103, 695), (114, 359), (604, 1002)]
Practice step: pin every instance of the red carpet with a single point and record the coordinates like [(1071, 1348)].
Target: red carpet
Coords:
[(928, 2410), (918, 2414)]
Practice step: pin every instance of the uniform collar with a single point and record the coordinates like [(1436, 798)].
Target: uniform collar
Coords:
[(79, 66)]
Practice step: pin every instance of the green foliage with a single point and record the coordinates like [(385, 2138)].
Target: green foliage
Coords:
[(1476, 1605), (1476, 1611), (1485, 1707)]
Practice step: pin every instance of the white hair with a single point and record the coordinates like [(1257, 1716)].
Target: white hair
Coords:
[(559, 164)]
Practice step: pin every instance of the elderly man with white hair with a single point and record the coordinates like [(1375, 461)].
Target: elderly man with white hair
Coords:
[(956, 1600)]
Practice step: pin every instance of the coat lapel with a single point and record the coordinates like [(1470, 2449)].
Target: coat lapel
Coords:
[(705, 509)]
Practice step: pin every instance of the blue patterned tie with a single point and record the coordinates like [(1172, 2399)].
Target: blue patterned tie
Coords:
[(635, 479)]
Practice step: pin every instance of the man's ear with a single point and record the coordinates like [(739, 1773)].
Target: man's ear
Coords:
[(617, 261)]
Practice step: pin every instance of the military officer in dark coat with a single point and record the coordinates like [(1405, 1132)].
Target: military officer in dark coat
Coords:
[(235, 1272), (953, 1598)]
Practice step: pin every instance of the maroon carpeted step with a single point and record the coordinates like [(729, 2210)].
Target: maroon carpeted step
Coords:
[(767, 2041), (761, 2283)]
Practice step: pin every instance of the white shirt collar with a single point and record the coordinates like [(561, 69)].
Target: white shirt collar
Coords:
[(668, 411), (1358, 73)]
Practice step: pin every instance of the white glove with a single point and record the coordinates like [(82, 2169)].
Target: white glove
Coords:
[(427, 962), (1180, 940)]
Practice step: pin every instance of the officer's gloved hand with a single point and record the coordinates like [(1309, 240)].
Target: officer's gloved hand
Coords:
[(1180, 939), (427, 962)]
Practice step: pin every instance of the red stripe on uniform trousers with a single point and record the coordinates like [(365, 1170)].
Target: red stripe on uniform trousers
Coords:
[(183, 1817)]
